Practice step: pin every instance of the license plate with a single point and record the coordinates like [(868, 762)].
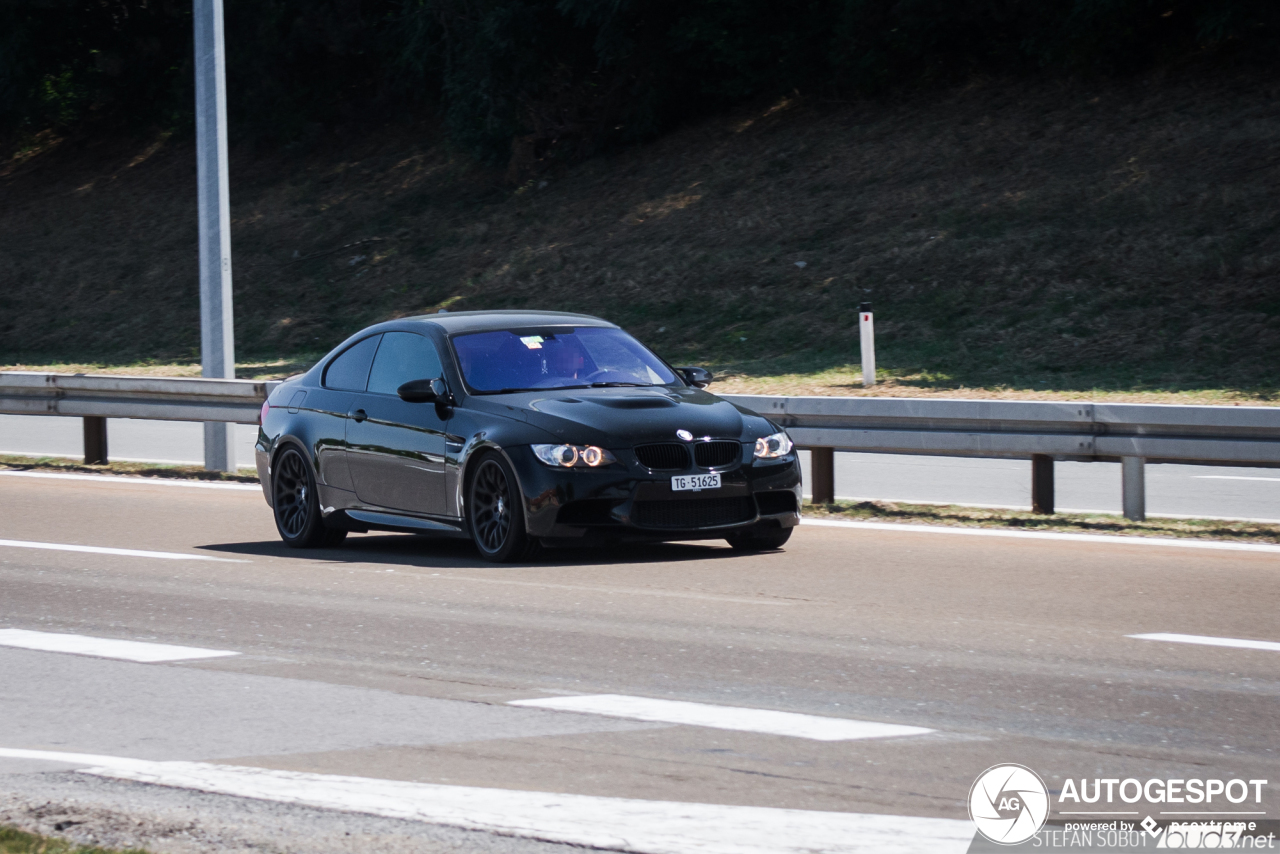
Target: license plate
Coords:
[(695, 482)]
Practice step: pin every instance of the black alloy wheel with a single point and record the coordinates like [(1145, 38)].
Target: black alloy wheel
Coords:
[(297, 504), (759, 539), (494, 513)]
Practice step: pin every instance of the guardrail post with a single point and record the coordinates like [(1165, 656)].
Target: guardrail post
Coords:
[(95, 441), (1042, 484), (1134, 484), (822, 470)]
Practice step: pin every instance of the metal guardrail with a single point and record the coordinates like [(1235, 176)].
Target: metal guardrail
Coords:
[(1132, 434), (1042, 432), (1019, 429), (108, 396), (97, 397)]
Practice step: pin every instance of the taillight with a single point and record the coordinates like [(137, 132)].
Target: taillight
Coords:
[(262, 416)]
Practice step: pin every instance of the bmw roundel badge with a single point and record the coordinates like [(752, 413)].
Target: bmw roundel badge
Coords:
[(684, 434)]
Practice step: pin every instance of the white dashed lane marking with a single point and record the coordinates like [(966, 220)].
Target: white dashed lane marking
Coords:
[(102, 550), (1238, 643), (147, 653), (723, 717)]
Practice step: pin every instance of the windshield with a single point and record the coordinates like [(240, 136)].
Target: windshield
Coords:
[(559, 357)]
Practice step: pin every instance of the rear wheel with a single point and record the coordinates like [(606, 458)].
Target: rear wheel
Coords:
[(494, 514), (759, 540), (297, 505)]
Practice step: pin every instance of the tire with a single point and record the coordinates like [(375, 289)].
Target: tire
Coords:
[(494, 514), (758, 540), (297, 504)]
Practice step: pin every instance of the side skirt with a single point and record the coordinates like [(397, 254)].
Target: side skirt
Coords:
[(408, 524)]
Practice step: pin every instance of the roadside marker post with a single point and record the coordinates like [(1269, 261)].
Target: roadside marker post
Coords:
[(217, 333), (867, 330)]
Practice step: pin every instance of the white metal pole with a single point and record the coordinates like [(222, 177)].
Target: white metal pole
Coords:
[(217, 336), (867, 328)]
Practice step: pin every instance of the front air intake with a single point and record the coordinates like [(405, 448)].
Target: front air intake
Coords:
[(692, 513), (773, 503)]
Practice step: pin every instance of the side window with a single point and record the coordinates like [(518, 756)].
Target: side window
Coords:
[(350, 371), (402, 357)]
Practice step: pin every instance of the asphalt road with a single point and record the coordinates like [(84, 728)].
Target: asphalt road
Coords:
[(1177, 490), (397, 659)]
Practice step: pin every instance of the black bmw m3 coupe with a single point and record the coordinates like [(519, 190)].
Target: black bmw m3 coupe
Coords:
[(520, 430)]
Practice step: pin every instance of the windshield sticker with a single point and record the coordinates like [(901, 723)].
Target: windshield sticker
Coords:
[(533, 342)]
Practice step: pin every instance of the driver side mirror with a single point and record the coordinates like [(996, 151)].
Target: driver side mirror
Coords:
[(699, 377), (425, 391)]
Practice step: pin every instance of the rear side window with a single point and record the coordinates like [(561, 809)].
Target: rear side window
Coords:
[(403, 356), (350, 371)]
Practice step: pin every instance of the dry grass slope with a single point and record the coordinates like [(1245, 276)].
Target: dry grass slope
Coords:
[(1038, 237)]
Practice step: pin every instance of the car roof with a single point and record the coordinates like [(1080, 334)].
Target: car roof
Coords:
[(488, 321)]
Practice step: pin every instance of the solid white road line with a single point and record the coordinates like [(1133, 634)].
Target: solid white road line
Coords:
[(115, 458), (623, 824), (134, 481), (102, 550), (1044, 535), (1203, 640), (1083, 510), (147, 653), (723, 717), (1232, 477)]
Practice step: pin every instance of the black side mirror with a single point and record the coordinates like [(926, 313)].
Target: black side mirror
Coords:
[(424, 391), (699, 377)]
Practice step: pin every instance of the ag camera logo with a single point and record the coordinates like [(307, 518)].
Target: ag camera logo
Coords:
[(1009, 804)]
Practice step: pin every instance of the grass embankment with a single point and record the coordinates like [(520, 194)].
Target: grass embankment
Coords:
[(14, 841), (1016, 239), (1071, 523), (865, 511), (268, 369), (845, 382)]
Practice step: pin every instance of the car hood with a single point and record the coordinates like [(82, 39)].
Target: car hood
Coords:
[(624, 416)]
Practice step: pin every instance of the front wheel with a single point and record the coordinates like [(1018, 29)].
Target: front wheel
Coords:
[(756, 540), (297, 505), (494, 514)]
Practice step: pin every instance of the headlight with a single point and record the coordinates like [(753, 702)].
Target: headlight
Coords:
[(573, 456), (772, 447)]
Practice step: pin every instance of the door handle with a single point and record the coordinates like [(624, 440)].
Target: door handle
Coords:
[(359, 415)]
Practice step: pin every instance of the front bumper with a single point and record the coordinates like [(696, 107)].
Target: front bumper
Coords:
[(628, 501)]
